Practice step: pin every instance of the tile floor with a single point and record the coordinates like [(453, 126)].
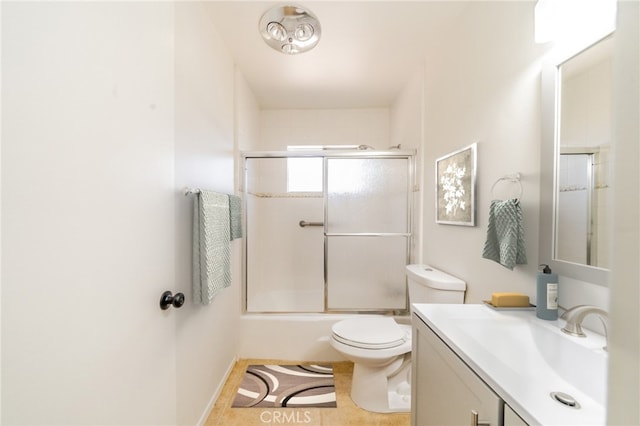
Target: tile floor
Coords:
[(347, 413)]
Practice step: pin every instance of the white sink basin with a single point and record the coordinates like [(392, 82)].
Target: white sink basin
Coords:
[(524, 359), (522, 342)]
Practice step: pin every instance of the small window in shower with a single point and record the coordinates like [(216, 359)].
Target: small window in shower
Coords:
[(304, 174)]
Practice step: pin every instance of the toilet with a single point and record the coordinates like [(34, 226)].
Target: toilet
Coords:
[(380, 347)]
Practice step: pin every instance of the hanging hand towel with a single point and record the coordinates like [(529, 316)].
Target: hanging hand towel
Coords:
[(211, 248), (235, 216), (505, 234)]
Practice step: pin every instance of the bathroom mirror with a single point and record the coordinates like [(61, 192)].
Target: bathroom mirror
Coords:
[(575, 164)]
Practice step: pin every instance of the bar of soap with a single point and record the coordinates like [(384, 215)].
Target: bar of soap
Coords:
[(509, 300)]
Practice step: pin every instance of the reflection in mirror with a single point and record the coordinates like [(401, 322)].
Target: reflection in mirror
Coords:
[(576, 132), (583, 171)]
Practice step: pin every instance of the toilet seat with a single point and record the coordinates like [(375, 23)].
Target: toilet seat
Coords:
[(374, 333)]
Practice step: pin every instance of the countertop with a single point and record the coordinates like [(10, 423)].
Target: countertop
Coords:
[(515, 369)]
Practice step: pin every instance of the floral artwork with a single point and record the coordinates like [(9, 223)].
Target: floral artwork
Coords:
[(455, 187)]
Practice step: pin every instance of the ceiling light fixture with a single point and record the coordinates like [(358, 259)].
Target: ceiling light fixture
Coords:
[(290, 29)]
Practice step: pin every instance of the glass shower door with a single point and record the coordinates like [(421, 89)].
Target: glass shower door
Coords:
[(367, 233), (284, 261)]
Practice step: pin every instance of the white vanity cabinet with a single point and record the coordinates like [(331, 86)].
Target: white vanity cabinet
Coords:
[(506, 365), (444, 390)]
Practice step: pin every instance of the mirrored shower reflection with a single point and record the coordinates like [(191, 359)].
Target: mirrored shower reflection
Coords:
[(581, 208), (351, 252)]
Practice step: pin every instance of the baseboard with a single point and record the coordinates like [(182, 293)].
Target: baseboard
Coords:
[(216, 394)]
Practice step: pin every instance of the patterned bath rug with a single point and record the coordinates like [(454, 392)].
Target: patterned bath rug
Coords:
[(287, 386)]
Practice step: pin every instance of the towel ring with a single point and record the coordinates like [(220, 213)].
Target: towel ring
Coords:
[(511, 178)]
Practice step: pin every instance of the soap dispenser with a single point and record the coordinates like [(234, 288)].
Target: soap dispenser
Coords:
[(547, 294)]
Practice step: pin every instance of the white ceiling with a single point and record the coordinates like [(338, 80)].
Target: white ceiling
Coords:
[(366, 55)]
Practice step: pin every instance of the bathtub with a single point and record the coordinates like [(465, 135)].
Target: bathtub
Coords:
[(291, 337)]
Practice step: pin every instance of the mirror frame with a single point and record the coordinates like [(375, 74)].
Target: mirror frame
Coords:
[(549, 159)]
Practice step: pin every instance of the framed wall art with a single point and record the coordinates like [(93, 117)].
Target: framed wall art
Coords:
[(456, 187)]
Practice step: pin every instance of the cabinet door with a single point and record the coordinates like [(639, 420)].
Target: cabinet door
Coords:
[(444, 390), (511, 418)]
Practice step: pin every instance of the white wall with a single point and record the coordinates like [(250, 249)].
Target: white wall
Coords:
[(87, 198), (279, 128), (407, 128), (484, 87), (206, 346), (247, 115)]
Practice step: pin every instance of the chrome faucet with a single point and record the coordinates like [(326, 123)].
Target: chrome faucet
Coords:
[(577, 314)]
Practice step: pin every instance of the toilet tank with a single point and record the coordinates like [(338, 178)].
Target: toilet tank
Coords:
[(429, 285)]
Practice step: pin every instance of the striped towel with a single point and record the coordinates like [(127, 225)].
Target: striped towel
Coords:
[(505, 234), (211, 248)]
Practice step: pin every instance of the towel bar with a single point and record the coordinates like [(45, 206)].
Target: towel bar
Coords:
[(304, 223)]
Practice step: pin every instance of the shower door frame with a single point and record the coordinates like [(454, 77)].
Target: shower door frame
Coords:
[(327, 154)]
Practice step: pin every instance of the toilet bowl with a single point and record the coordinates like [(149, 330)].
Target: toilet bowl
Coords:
[(380, 347), (380, 350)]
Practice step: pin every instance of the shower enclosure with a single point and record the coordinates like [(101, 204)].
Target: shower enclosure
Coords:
[(327, 231)]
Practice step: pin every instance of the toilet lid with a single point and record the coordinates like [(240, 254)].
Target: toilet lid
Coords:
[(369, 332)]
